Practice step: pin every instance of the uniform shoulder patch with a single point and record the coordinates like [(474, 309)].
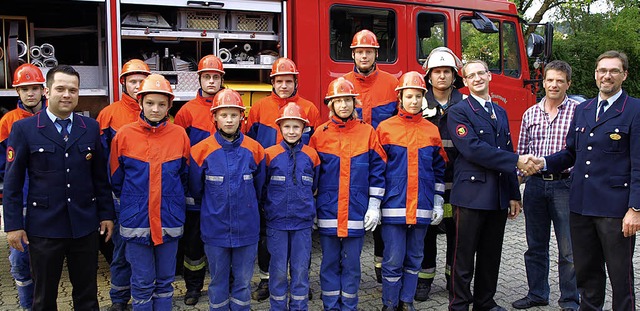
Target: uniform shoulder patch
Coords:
[(11, 154), (461, 130)]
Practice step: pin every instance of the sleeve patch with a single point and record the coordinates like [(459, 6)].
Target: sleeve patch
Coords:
[(11, 154), (461, 130)]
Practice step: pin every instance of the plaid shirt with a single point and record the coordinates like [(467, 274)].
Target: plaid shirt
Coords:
[(542, 136)]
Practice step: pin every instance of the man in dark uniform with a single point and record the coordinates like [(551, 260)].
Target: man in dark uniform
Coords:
[(442, 67), (603, 145), (68, 198), (485, 190)]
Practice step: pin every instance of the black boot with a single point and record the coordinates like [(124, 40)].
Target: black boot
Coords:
[(191, 298), (378, 274), (423, 289), (262, 291), (387, 308), (406, 306)]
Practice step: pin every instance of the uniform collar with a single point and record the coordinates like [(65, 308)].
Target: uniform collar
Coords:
[(43, 102), (53, 117), (368, 78), (283, 101), (130, 102), (205, 101), (404, 115), (295, 148), (154, 129), (343, 124), (611, 99), (228, 144)]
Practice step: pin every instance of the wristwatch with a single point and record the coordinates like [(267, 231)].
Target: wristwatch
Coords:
[(635, 209)]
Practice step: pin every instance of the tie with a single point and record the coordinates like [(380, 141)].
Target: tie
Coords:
[(489, 109), (602, 105), (64, 132)]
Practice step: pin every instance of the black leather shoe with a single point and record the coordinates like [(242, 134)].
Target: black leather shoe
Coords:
[(526, 303), (262, 291), (423, 289)]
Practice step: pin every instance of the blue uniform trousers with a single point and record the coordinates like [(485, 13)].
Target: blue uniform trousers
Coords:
[(120, 291), (21, 272), (221, 259), (340, 272), (152, 274), (547, 201), (403, 255), (280, 244)]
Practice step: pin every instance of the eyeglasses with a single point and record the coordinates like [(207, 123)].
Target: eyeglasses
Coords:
[(481, 73), (614, 72)]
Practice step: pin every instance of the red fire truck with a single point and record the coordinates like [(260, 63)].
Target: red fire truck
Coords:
[(98, 36)]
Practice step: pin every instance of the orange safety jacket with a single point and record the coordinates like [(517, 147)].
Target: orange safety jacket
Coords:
[(377, 95)]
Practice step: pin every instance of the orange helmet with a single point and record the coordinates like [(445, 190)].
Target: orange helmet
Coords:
[(292, 111), (27, 74), (283, 66), (340, 87), (210, 63), (134, 66), (227, 98), (365, 39), (412, 80), (155, 83)]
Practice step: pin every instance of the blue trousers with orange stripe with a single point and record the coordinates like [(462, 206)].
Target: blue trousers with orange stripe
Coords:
[(152, 274), (403, 254), (340, 272)]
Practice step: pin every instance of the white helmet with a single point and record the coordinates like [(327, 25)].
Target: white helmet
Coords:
[(444, 57)]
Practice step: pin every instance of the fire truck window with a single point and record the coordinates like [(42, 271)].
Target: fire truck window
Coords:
[(478, 45), (345, 21), (431, 34), (510, 50)]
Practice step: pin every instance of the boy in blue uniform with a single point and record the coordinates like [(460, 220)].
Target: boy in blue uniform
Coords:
[(226, 174), (292, 178)]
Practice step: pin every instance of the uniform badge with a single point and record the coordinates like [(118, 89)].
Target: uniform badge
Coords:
[(615, 136), (89, 156), (461, 130), (11, 154)]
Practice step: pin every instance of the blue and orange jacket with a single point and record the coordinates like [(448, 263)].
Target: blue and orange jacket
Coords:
[(113, 117), (261, 123), (149, 171), (195, 118), (5, 128), (351, 170), (292, 179), (228, 178), (415, 168), (376, 94)]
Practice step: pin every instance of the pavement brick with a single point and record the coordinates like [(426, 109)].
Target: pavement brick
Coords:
[(512, 283)]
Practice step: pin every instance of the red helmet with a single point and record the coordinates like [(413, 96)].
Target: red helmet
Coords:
[(365, 39), (210, 63), (291, 111), (283, 66), (411, 80), (340, 87), (134, 66), (155, 83), (227, 98), (27, 74)]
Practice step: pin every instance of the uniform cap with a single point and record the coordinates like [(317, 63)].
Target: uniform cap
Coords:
[(27, 74)]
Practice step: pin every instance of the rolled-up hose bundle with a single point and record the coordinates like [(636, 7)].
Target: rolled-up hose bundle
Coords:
[(35, 52), (22, 48), (225, 55), (47, 50), (37, 62), (50, 62)]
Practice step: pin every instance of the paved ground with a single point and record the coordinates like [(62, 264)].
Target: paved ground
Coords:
[(511, 285)]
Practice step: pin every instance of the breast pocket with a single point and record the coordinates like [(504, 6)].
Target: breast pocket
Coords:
[(215, 187), (617, 139), (485, 134), (42, 158)]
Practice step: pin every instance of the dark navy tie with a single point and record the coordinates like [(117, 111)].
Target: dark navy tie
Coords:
[(489, 108), (602, 105), (65, 124)]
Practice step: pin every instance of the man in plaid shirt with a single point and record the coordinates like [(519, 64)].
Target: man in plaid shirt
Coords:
[(546, 196)]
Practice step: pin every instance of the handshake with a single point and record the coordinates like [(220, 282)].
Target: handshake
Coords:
[(528, 164)]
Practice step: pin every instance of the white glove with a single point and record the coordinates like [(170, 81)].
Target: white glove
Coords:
[(372, 217), (438, 211)]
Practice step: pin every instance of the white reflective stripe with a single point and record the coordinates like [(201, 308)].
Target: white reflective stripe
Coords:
[(447, 143), (218, 305), (401, 212), (140, 302), (173, 232), (331, 293), (247, 177), (439, 187), (278, 298), (333, 223), (134, 232), (448, 185), (190, 200), (297, 297), (307, 178), (240, 302), (376, 191), (348, 295), (414, 272), (392, 279), (214, 178), (119, 288), (278, 178), (163, 295), (24, 283)]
